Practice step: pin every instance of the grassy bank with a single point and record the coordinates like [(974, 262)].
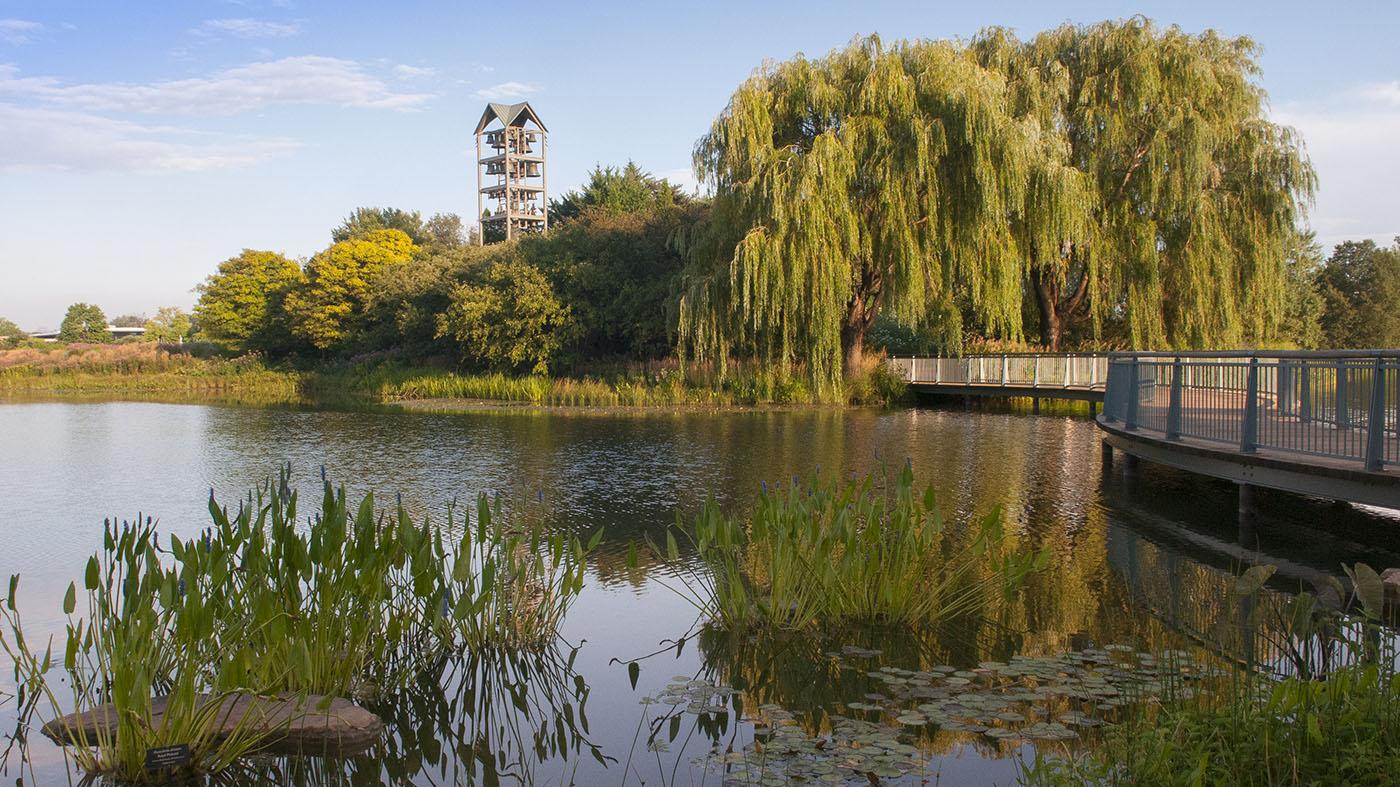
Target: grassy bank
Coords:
[(149, 370)]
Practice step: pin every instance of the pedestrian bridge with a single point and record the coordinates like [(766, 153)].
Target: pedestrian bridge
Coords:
[(1038, 376), (1314, 423)]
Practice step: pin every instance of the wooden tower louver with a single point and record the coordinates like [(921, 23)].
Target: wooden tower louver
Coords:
[(512, 172)]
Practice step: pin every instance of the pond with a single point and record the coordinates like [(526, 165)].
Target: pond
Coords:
[(1139, 565)]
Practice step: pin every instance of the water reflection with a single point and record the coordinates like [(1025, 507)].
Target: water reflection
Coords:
[(1143, 565)]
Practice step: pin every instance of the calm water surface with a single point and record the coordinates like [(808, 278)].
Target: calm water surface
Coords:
[(1135, 561)]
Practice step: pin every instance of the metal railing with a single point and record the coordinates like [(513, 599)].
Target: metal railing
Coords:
[(1342, 405), (1022, 370)]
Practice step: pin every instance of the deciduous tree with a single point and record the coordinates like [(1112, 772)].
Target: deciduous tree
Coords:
[(507, 317), (332, 303), (875, 178), (1189, 193), (170, 324), (241, 305), (84, 322)]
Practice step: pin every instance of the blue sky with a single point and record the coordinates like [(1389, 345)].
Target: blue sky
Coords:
[(141, 143)]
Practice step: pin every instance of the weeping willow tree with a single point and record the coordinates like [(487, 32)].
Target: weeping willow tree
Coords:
[(874, 179), (1193, 195), (1115, 171)]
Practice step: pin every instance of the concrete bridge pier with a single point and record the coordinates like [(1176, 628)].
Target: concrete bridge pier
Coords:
[(1105, 455)]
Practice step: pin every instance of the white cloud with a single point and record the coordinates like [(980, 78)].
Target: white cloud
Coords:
[(307, 79), (18, 31), (1351, 140), (37, 138), (1382, 92), (413, 72), (506, 90), (252, 28)]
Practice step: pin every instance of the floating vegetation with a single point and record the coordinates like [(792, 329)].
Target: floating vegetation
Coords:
[(352, 603), (845, 553), (887, 731)]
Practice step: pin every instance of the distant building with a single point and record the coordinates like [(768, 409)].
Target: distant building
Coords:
[(513, 173), (116, 331)]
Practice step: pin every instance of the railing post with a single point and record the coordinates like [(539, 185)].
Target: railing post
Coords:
[(1305, 393), (1343, 417), (1035, 375), (1174, 403), (1130, 420), (937, 370), (1285, 387), (1375, 419), (1004, 361), (1249, 435)]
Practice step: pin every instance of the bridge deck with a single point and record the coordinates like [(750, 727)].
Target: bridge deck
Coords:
[(1293, 454), (1086, 393)]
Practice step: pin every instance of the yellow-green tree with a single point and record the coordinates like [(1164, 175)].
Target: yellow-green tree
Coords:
[(332, 303), (874, 179), (240, 306), (1190, 195), (506, 316), (171, 324)]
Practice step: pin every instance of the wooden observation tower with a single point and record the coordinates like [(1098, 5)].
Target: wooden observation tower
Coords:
[(512, 172)]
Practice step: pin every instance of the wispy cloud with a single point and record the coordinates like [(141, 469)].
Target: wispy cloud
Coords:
[(18, 31), (306, 79), (413, 72), (507, 90), (38, 138), (1351, 136), (252, 28)]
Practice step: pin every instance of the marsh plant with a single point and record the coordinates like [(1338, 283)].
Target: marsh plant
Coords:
[(847, 553), (1321, 707), (352, 602)]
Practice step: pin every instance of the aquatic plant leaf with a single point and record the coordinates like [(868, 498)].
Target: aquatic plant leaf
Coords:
[(70, 599), (1369, 589), (633, 670), (1253, 579)]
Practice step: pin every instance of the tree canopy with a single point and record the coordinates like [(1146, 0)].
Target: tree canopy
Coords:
[(170, 324), (1360, 288), (1117, 169), (506, 316), (84, 322), (240, 305), (10, 333), (628, 189), (333, 302)]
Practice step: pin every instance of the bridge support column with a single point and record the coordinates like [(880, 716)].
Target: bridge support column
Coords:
[(1035, 405), (1105, 454), (1248, 513), (1130, 466)]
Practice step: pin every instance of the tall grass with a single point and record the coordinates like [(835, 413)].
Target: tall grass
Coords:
[(1326, 713), (846, 553), (354, 603)]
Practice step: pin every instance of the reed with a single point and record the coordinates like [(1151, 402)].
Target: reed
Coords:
[(355, 603), (510, 590), (846, 553)]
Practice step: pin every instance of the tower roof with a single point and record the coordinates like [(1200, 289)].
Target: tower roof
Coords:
[(509, 115)]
